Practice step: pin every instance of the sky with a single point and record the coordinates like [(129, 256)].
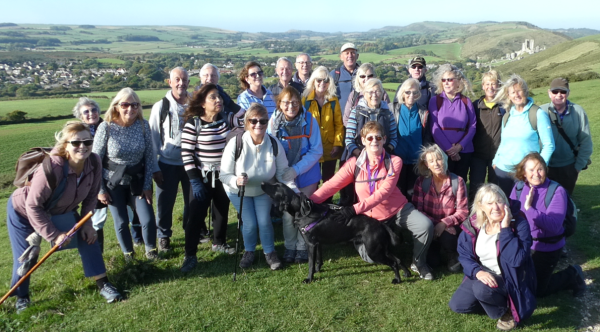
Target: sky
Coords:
[(315, 15)]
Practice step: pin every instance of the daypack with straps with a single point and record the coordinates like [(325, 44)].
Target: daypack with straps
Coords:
[(307, 130), (239, 145), (532, 117), (426, 184), (570, 221)]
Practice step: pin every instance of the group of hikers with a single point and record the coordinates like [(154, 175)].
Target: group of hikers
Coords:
[(403, 162)]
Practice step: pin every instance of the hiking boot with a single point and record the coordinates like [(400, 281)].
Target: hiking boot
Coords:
[(454, 265), (273, 260), (204, 239), (506, 322), (289, 256), (152, 254), (189, 263), (129, 257), (22, 304), (301, 256), (580, 287), (424, 272), (110, 293), (164, 244), (247, 259), (223, 249)]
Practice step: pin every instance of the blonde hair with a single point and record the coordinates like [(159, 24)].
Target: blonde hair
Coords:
[(421, 165), (488, 189), (112, 113), (62, 137), (362, 70), (491, 75), (464, 85), (320, 73), (502, 96), (409, 83)]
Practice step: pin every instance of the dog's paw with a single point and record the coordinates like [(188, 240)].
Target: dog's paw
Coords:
[(395, 281), (406, 274), (307, 281)]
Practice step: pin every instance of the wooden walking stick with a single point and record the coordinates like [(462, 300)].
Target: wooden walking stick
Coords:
[(72, 232)]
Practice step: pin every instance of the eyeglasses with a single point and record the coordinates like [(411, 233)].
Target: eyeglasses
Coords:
[(261, 121), (255, 74), (285, 103), (416, 67), (408, 93), (365, 76), (324, 80), (86, 142), (555, 92), (448, 79), (87, 112), (375, 92), (125, 105), (302, 63), (376, 137)]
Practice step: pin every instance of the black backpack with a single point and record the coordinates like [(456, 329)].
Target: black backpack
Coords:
[(570, 222), (239, 144)]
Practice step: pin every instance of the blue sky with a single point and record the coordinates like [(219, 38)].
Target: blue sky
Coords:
[(319, 15)]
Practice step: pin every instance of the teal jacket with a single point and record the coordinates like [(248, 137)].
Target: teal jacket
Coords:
[(577, 128)]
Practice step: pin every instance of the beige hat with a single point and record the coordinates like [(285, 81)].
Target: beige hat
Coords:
[(347, 46)]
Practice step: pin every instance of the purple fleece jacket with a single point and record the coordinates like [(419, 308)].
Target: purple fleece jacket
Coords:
[(544, 222), (451, 116)]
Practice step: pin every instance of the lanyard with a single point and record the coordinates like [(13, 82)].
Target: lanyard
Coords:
[(374, 178)]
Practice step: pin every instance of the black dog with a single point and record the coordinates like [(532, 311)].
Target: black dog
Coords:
[(317, 227)]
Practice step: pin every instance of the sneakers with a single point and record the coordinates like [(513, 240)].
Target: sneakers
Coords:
[(423, 271), (110, 293), (454, 265), (580, 287), (22, 304), (204, 239), (247, 259), (164, 244), (506, 322), (301, 256), (129, 257), (273, 260), (152, 254), (289, 256), (223, 249), (189, 263)]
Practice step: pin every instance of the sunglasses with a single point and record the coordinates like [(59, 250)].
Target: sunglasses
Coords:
[(555, 92), (325, 80), (261, 121), (86, 142), (126, 105), (365, 76), (448, 79), (377, 138), (408, 93), (258, 73), (416, 67), (87, 112)]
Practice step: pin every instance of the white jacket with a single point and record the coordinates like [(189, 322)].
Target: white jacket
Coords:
[(168, 152), (257, 161)]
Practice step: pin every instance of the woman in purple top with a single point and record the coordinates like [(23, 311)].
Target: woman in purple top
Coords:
[(545, 220), (453, 119)]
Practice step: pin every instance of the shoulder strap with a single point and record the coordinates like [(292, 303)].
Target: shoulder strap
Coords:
[(274, 145), (519, 189), (464, 99), (533, 116), (239, 144), (454, 184), (387, 162), (336, 75), (505, 118), (58, 189), (426, 184), (355, 95), (550, 193), (333, 106), (197, 126), (306, 105), (164, 113), (439, 101), (561, 131)]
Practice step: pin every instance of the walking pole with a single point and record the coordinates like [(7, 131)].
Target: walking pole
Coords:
[(50, 252), (237, 241)]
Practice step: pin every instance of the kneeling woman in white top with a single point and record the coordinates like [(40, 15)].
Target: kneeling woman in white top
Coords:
[(260, 163)]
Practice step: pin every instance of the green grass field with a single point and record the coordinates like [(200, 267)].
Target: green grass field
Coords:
[(348, 295)]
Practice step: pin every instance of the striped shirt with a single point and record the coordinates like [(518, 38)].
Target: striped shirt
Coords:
[(352, 130), (268, 101), (206, 145)]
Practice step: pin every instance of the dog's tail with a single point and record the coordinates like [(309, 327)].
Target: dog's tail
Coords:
[(395, 239)]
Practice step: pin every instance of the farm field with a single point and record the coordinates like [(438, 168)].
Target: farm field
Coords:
[(348, 295)]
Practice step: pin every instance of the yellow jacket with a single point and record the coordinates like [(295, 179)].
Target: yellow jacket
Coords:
[(330, 123)]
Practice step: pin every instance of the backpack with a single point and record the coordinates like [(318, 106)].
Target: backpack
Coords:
[(570, 222), (532, 117), (164, 113), (426, 184), (30, 161), (239, 144), (563, 134)]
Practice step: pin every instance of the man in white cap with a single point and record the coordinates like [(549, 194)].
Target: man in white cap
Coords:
[(344, 74), (572, 139)]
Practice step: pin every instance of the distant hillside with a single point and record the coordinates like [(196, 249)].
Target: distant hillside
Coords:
[(577, 33), (577, 60)]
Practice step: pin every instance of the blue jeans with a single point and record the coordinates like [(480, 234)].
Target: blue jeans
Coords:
[(256, 220), (166, 194), (506, 182), (120, 198), (19, 229)]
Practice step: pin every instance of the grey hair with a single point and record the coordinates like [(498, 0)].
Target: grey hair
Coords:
[(409, 83), (207, 65), (82, 102), (421, 165), (302, 54), (363, 69), (371, 82), (464, 83), (486, 189), (502, 96), (284, 59), (181, 69)]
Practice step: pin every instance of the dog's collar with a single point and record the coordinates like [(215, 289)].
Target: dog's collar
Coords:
[(310, 226)]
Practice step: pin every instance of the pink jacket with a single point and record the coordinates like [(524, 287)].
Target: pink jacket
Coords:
[(29, 201), (386, 200)]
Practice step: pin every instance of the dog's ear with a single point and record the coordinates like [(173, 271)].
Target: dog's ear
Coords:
[(283, 206)]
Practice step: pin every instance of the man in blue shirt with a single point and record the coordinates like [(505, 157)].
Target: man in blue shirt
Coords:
[(344, 75)]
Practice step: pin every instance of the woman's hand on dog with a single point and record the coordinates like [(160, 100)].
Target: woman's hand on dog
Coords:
[(343, 215)]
